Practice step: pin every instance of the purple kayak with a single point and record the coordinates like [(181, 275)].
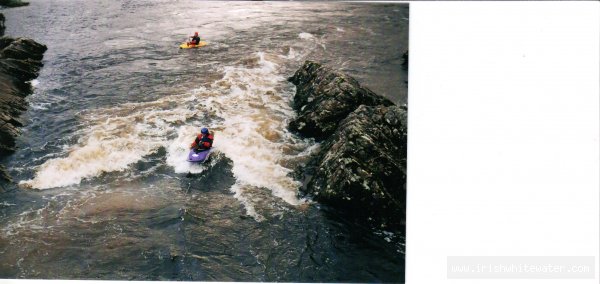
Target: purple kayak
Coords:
[(198, 156)]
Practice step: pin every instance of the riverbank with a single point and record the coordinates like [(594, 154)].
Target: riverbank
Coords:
[(20, 62)]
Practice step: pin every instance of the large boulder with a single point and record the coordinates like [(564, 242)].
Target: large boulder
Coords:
[(325, 97), (362, 166)]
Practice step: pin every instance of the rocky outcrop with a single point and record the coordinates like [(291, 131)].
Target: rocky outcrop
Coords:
[(2, 26), (325, 97), (13, 3), (361, 167), (20, 62)]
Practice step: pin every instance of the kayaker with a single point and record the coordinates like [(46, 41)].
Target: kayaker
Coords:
[(203, 141), (195, 39)]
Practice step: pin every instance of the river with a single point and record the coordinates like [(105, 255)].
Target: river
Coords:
[(104, 190)]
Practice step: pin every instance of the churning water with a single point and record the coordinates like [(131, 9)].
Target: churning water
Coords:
[(105, 191)]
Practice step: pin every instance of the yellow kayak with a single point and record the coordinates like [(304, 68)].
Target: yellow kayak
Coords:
[(200, 44)]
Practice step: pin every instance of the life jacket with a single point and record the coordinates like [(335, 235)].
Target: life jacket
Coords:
[(195, 40), (203, 141)]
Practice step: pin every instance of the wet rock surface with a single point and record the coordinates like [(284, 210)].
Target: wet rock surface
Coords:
[(324, 97), (2, 26), (13, 3), (20, 62), (361, 167)]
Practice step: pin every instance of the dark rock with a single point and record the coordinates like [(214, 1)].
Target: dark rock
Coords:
[(2, 26), (20, 62), (325, 97), (13, 3), (362, 166), (5, 41), (23, 70), (23, 49), (3, 177)]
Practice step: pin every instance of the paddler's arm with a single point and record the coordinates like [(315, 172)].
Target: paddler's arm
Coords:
[(196, 143)]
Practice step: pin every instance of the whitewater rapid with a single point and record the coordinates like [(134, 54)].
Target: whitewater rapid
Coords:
[(247, 110), (105, 189)]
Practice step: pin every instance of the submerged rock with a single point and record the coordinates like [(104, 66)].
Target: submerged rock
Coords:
[(325, 97), (20, 62), (361, 167)]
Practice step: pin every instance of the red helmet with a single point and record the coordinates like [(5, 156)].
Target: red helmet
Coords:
[(196, 33)]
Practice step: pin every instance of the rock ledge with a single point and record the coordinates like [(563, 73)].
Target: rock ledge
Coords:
[(361, 167), (325, 97), (20, 62)]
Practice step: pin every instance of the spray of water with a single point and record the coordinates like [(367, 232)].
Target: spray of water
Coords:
[(248, 109)]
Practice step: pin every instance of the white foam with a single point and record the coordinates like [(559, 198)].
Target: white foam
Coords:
[(244, 199), (40, 106), (34, 82), (304, 35), (292, 54), (178, 149), (112, 140), (255, 160), (253, 131), (266, 66), (251, 111), (97, 155)]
